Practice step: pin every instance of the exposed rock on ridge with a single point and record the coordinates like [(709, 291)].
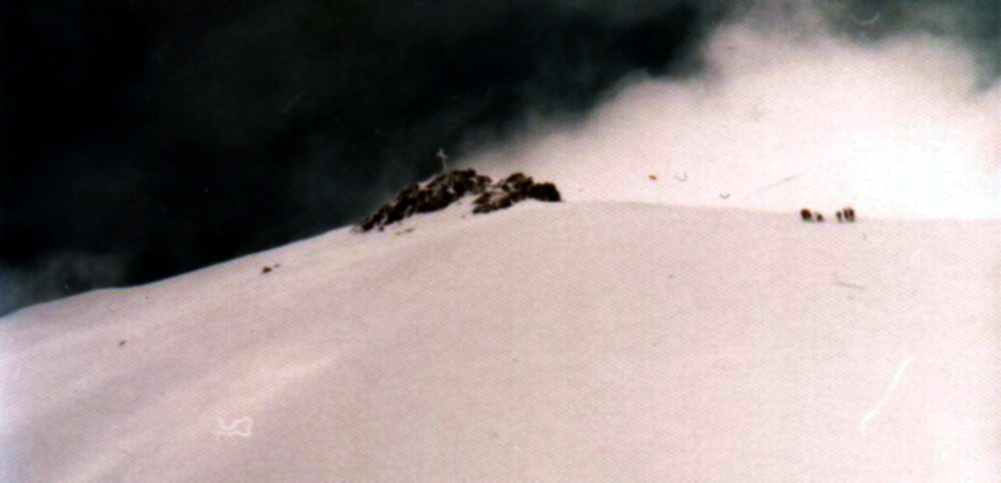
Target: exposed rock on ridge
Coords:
[(452, 185)]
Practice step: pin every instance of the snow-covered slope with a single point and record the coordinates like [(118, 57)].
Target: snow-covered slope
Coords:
[(573, 342)]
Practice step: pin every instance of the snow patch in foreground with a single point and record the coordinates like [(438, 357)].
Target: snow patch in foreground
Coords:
[(579, 341)]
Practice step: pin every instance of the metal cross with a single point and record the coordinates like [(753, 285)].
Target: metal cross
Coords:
[(443, 157)]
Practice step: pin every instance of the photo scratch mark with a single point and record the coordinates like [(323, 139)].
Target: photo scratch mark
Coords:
[(956, 437), (241, 427), (682, 178), (724, 195), (886, 395), (292, 102), (779, 182), (846, 284), (867, 22)]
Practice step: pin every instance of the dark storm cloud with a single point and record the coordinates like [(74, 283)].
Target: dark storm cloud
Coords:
[(56, 275), (156, 137), (977, 23)]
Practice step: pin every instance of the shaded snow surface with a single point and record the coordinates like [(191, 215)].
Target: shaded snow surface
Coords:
[(571, 342)]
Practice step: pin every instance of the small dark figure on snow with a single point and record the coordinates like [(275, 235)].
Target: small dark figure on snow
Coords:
[(806, 215), (849, 214), (820, 218), (839, 217)]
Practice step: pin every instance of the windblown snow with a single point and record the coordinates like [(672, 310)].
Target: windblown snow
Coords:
[(570, 342)]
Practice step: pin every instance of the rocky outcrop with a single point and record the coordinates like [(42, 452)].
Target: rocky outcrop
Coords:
[(515, 188), (451, 186)]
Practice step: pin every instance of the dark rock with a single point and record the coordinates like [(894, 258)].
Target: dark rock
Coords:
[(492, 202), (544, 192), (513, 189), (451, 186), (516, 183)]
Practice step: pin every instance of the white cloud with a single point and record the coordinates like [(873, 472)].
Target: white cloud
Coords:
[(895, 128)]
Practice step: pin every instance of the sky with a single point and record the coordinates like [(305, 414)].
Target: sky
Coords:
[(786, 118), (140, 140)]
